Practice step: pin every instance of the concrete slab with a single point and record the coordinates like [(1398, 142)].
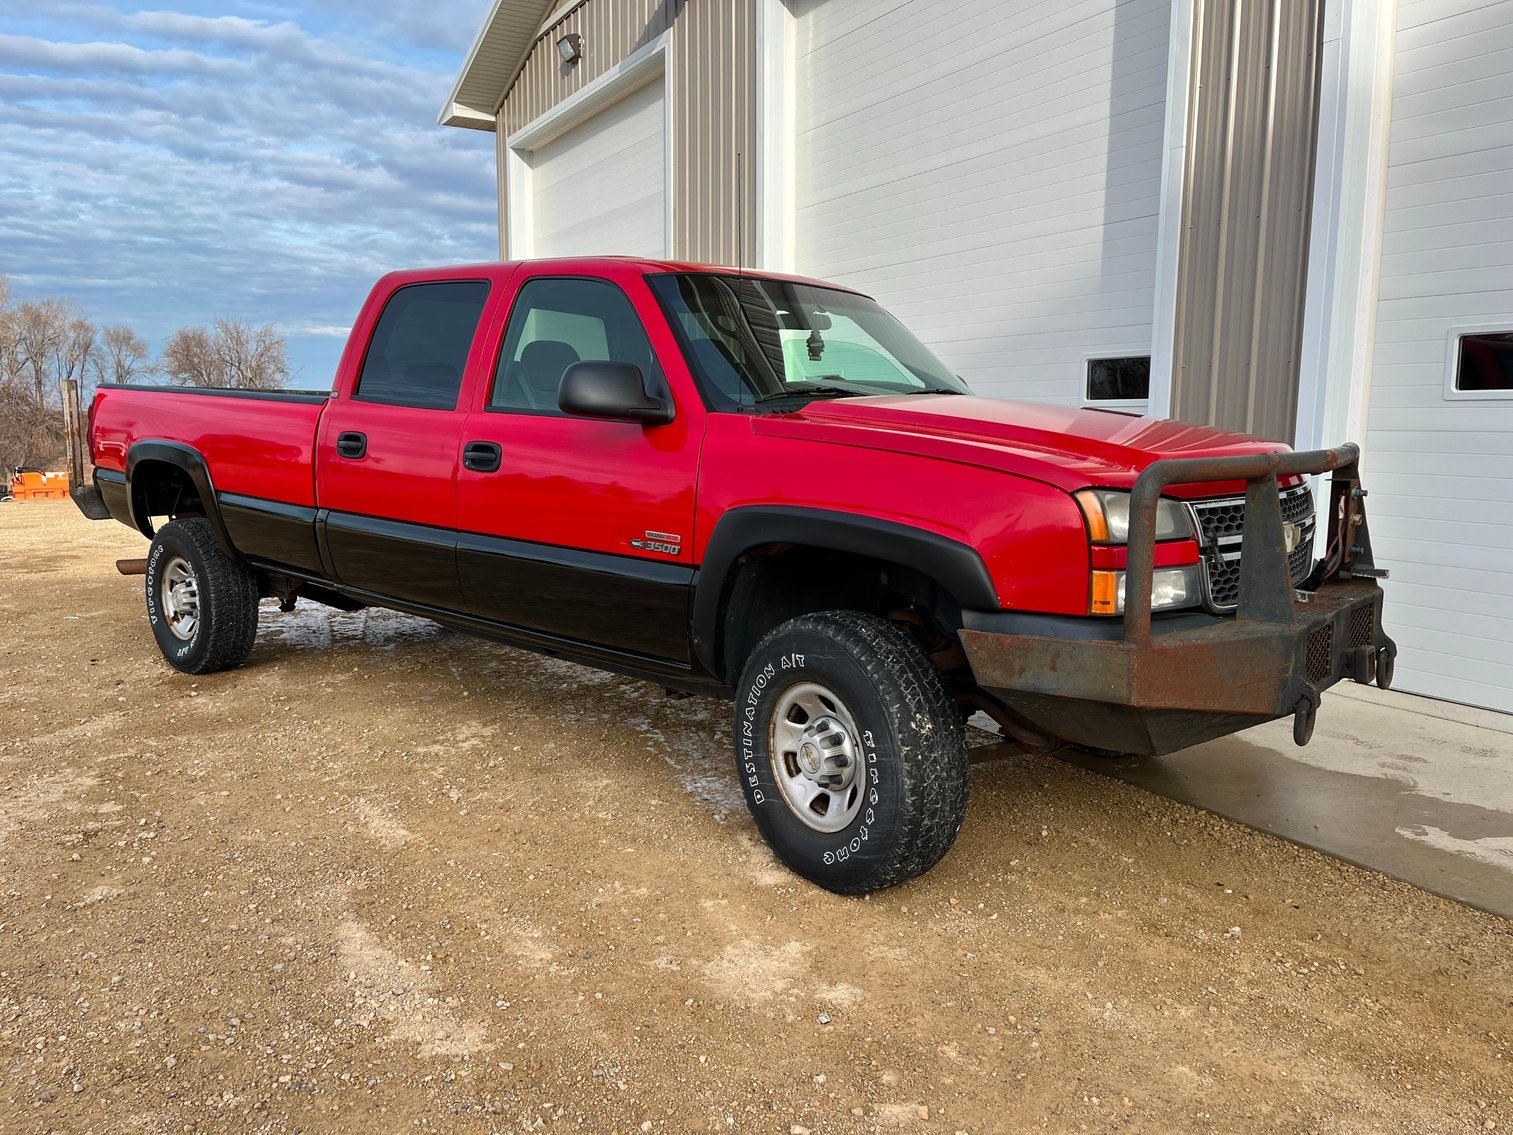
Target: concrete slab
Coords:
[(1414, 788)]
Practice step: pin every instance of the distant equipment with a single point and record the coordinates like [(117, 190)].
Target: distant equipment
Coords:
[(33, 485)]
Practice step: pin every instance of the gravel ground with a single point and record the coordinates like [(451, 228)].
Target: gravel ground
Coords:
[(387, 878)]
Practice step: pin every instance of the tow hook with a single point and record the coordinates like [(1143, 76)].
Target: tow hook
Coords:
[(1304, 714), (1386, 663)]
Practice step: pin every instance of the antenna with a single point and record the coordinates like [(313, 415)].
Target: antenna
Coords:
[(740, 213)]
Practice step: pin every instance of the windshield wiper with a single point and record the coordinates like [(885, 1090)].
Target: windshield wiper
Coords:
[(816, 391), (932, 390)]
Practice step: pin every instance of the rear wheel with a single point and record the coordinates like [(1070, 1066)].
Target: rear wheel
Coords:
[(202, 603), (850, 751)]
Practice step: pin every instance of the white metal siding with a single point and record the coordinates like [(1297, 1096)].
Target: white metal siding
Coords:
[(601, 188), (991, 171), (1441, 470)]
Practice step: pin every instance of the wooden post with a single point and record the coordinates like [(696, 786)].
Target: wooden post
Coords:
[(73, 428)]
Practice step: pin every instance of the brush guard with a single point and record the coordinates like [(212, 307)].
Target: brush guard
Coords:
[(1157, 685)]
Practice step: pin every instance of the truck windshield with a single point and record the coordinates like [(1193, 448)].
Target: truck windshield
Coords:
[(773, 343)]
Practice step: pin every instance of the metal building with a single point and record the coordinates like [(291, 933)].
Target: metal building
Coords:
[(1288, 217)]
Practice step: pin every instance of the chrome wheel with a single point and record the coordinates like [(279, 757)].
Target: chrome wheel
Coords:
[(817, 757), (180, 595)]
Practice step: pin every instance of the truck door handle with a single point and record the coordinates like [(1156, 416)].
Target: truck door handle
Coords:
[(352, 444), (482, 456)]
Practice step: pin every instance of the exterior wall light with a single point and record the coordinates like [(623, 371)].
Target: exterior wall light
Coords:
[(570, 47)]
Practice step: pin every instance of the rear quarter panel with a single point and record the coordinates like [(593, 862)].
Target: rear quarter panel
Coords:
[(254, 446)]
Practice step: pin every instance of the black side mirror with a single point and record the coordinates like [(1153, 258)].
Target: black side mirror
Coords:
[(596, 389)]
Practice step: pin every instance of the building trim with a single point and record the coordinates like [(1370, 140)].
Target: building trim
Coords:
[(776, 127), (646, 65), (501, 46), (1350, 185), (1174, 167)]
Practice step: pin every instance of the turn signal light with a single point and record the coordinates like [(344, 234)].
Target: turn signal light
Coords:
[(1108, 592)]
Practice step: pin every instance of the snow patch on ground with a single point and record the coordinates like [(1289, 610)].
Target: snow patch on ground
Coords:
[(697, 752), (314, 625)]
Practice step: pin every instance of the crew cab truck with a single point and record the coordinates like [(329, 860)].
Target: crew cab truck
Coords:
[(764, 488)]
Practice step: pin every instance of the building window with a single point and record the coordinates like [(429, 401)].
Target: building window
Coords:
[(1484, 363), (1123, 379)]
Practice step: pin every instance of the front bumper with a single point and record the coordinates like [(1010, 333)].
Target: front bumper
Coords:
[(1154, 686)]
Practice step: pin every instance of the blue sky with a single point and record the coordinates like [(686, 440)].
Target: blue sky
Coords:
[(265, 162)]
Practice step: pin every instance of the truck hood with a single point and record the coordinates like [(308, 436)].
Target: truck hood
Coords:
[(1060, 445)]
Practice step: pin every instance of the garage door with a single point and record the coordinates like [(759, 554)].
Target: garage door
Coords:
[(991, 171), (601, 188), (1439, 461)]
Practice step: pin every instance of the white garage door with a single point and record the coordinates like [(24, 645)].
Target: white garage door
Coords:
[(991, 171), (601, 188), (1440, 467)]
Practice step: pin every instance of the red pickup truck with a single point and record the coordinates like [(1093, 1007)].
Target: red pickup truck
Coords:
[(764, 488)]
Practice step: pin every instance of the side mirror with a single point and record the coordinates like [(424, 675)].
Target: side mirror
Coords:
[(610, 390)]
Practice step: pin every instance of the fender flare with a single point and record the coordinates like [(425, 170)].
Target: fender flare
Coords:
[(192, 463), (954, 565)]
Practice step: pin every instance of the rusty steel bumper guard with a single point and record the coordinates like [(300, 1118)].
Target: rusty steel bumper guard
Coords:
[(1156, 685)]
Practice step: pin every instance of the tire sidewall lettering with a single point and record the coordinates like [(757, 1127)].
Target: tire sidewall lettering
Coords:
[(754, 706), (174, 650)]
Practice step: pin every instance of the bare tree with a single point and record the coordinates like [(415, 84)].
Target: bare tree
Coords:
[(42, 330), (10, 340), (231, 355), (188, 359), (254, 357), (75, 352), (122, 355)]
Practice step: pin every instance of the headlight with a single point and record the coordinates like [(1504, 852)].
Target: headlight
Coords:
[(1171, 588), (1107, 512)]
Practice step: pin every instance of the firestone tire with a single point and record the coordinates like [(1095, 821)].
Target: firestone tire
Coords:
[(201, 603), (845, 706)]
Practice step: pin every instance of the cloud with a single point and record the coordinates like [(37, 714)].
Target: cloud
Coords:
[(170, 167)]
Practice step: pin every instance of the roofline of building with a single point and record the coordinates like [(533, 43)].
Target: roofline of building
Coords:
[(503, 41)]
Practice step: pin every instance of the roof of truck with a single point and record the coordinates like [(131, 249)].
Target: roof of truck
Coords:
[(596, 265)]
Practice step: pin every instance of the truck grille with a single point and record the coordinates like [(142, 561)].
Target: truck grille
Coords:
[(1221, 527)]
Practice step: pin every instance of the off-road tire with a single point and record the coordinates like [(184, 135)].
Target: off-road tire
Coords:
[(911, 746), (227, 622)]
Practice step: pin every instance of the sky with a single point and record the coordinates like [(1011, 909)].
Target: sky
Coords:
[(255, 161)]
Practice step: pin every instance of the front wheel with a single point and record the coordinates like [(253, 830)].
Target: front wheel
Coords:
[(850, 751), (202, 603)]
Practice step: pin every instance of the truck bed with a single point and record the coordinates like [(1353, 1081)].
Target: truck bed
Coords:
[(259, 443)]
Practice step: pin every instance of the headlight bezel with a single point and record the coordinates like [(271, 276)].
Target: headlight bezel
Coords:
[(1106, 515)]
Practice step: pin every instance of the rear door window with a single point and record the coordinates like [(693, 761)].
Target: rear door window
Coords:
[(421, 343)]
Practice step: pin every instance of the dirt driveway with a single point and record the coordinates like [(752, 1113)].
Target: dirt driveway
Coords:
[(386, 878)]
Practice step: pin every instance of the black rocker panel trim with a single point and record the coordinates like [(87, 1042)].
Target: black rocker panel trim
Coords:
[(955, 566), (395, 558), (273, 531), (618, 602), (674, 675), (190, 461)]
